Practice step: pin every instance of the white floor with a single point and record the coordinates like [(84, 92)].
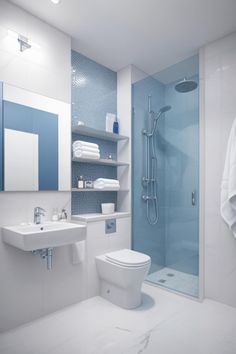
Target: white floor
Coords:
[(165, 324), (173, 279)]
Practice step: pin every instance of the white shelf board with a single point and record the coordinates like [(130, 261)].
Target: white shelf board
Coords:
[(96, 133), (103, 162), (98, 216), (97, 190)]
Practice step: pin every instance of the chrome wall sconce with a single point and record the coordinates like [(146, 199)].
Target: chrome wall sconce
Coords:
[(24, 43)]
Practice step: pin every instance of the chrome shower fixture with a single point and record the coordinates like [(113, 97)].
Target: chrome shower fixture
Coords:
[(149, 181), (186, 85)]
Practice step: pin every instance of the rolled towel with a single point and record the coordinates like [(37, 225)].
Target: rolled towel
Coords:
[(107, 180), (81, 144), (86, 149), (86, 155)]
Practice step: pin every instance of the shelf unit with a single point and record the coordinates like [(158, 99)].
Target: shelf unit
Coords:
[(122, 167), (104, 162), (96, 133)]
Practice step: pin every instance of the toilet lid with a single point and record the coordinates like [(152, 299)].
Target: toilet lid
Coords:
[(128, 258)]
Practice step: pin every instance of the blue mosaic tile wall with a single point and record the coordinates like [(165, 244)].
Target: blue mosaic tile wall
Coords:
[(94, 93), (90, 202)]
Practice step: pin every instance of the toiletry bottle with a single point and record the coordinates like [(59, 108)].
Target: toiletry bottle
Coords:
[(63, 215), (116, 126), (55, 216), (80, 182)]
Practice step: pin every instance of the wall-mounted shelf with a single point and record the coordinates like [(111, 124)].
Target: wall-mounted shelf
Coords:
[(97, 190), (96, 133), (89, 217), (105, 162)]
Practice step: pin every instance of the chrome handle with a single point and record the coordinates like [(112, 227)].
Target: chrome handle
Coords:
[(193, 198)]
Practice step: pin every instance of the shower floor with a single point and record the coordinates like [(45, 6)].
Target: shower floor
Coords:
[(175, 280)]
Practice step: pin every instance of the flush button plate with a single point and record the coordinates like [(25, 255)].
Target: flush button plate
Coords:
[(110, 226)]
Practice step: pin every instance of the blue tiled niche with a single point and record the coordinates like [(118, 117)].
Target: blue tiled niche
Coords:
[(94, 93)]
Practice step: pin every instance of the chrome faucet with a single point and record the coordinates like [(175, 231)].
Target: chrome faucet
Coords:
[(38, 212)]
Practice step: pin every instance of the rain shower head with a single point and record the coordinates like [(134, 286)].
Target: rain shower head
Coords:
[(186, 86)]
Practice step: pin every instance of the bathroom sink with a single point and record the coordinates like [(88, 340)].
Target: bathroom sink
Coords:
[(37, 236)]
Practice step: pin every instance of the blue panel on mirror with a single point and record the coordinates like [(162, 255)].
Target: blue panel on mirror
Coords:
[(1, 137), (45, 124)]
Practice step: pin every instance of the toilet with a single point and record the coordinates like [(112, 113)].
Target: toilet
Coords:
[(121, 276)]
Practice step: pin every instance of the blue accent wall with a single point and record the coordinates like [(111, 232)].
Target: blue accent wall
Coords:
[(1, 137), (45, 124), (181, 179), (146, 238), (174, 241), (94, 93)]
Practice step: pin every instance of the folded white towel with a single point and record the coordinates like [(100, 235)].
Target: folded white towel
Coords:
[(86, 154), (87, 149), (107, 180), (228, 186), (82, 144)]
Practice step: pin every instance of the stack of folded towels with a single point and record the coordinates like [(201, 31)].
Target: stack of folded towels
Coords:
[(86, 150), (106, 183)]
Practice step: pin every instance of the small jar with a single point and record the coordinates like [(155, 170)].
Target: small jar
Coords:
[(88, 184)]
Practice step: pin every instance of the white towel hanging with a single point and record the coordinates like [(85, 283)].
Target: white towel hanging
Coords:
[(228, 186)]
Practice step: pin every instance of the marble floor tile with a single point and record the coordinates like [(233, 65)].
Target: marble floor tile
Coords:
[(166, 323)]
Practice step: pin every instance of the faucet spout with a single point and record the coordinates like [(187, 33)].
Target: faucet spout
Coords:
[(38, 212)]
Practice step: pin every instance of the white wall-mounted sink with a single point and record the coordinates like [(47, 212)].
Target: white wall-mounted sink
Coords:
[(47, 235)]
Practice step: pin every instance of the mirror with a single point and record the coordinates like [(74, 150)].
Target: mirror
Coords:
[(31, 127)]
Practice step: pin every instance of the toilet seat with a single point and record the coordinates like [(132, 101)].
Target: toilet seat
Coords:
[(128, 258)]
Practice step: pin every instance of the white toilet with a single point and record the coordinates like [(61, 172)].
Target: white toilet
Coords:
[(121, 276)]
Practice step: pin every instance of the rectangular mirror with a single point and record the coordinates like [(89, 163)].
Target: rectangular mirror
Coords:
[(34, 140)]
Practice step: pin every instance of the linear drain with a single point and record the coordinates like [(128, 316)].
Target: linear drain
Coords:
[(162, 281), (170, 274)]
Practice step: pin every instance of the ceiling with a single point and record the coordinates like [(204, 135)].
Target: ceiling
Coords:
[(151, 34)]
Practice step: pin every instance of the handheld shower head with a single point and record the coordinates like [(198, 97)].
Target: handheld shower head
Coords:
[(164, 109), (161, 111)]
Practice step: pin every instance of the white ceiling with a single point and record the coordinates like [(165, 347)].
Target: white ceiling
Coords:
[(151, 34)]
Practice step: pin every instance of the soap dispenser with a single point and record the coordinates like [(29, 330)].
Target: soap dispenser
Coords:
[(116, 126)]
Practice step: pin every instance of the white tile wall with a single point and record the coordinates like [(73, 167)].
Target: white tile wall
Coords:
[(219, 74), (124, 113), (45, 70), (98, 242), (28, 290)]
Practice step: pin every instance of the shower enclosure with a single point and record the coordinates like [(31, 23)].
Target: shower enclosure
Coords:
[(165, 175)]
